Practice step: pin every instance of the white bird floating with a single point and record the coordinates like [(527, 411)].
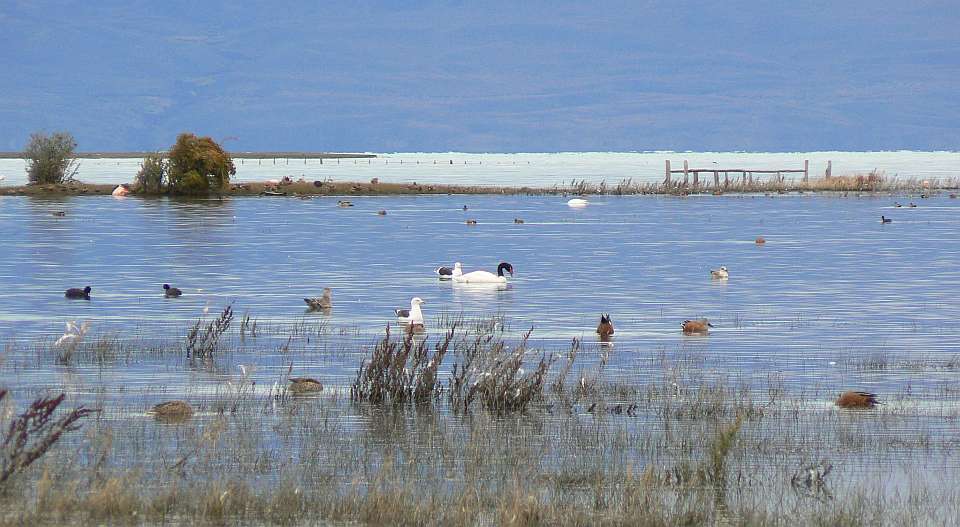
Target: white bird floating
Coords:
[(578, 203), (412, 316), (720, 274), (482, 277), (73, 334)]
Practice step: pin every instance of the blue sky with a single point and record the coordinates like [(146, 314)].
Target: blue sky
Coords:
[(484, 77)]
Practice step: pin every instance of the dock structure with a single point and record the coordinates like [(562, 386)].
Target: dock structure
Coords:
[(746, 174)]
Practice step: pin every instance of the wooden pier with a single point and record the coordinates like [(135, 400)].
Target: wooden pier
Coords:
[(745, 174)]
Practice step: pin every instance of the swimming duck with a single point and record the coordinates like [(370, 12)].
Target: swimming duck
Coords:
[(701, 326), (171, 292), (518, 221), (344, 203), (301, 385), (59, 213), (471, 222), (381, 213), (484, 277), (412, 316), (884, 219), (605, 329), (720, 274), (913, 205), (172, 411), (897, 205), (760, 240), (78, 294), (324, 302), (857, 400)]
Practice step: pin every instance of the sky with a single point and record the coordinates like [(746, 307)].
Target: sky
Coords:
[(484, 76)]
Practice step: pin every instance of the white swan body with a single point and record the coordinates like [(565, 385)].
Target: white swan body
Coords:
[(412, 316), (482, 277), (578, 202)]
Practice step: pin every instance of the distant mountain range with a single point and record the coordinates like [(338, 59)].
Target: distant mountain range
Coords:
[(501, 77)]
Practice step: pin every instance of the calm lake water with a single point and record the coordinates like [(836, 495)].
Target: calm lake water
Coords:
[(831, 288)]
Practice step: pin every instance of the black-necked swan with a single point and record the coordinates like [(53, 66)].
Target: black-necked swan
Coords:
[(413, 315), (445, 273), (485, 277), (324, 302), (720, 274)]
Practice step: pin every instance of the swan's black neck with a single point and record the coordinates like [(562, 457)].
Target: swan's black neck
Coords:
[(504, 266)]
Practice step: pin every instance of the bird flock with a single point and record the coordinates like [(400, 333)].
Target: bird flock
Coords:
[(412, 318)]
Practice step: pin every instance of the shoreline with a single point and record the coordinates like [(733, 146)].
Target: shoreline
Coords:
[(374, 188)]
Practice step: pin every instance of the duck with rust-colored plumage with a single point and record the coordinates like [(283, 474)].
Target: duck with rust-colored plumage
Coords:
[(605, 329), (857, 400), (692, 327)]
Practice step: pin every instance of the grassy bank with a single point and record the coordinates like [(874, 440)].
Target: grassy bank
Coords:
[(844, 184)]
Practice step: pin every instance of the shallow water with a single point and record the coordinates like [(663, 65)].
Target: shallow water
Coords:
[(831, 288)]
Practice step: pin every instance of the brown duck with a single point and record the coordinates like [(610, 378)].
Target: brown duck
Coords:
[(605, 329), (699, 326), (857, 400), (172, 411), (300, 385)]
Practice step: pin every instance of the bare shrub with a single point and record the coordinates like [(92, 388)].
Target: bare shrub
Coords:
[(401, 371), (31, 434), (204, 344), (495, 375)]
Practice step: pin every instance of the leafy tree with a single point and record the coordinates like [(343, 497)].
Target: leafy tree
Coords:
[(152, 174), (198, 165), (50, 159)]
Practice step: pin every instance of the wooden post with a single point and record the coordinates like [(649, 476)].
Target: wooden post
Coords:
[(726, 179), (829, 172), (666, 180), (806, 170), (685, 172), (696, 178), (750, 175), (716, 179)]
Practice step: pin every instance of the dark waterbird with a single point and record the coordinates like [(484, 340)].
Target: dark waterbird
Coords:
[(171, 292), (77, 293), (884, 219)]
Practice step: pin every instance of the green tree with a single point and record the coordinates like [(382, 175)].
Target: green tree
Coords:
[(198, 165), (50, 159), (152, 174)]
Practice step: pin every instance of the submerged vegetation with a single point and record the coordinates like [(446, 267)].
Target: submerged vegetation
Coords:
[(469, 425)]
